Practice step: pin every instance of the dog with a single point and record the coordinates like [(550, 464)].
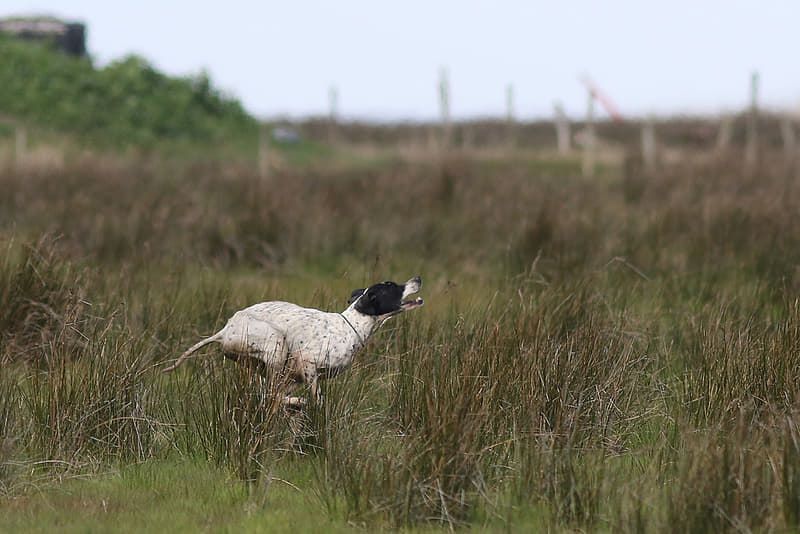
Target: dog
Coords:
[(305, 343)]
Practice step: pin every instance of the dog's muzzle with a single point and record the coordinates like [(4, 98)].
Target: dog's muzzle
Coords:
[(411, 287)]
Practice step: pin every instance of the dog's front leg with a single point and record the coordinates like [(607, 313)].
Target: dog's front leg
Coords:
[(311, 379), (290, 401), (298, 403)]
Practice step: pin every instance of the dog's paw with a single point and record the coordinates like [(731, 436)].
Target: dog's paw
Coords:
[(295, 404)]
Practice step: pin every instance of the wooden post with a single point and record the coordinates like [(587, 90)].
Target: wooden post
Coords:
[(263, 151), (562, 129), (589, 141), (333, 113), (751, 149), (725, 133), (444, 107), (789, 140), (510, 120), (649, 146)]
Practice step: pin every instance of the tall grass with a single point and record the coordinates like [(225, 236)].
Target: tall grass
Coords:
[(41, 297), (589, 356)]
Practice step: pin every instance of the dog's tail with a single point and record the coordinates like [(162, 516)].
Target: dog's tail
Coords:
[(192, 349)]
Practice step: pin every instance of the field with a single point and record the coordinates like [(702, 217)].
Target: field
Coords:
[(616, 353)]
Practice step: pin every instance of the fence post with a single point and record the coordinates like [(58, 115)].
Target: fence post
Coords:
[(589, 141), (562, 129), (444, 107), (263, 151), (649, 145), (751, 149), (510, 119), (333, 113)]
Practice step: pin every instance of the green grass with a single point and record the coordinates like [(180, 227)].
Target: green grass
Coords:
[(186, 496), (180, 495)]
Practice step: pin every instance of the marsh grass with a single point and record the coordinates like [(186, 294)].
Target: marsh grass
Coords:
[(41, 298), (234, 419), (588, 358)]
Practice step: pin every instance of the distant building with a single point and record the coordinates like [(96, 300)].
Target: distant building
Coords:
[(69, 37)]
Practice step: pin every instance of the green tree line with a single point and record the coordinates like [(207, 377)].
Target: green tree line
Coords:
[(127, 102)]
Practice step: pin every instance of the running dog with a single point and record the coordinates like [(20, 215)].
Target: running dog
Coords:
[(304, 343)]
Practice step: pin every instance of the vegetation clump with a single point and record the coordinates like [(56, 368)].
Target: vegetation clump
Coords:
[(125, 103)]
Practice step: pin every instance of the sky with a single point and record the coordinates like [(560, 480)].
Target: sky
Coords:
[(282, 58)]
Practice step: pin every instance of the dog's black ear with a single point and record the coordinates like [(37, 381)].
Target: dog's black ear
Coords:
[(355, 294)]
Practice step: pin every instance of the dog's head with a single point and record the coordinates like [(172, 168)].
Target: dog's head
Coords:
[(386, 299)]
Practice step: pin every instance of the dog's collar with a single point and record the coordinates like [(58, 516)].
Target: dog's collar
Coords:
[(360, 339)]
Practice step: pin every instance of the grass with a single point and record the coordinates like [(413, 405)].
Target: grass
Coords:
[(185, 494), (615, 354)]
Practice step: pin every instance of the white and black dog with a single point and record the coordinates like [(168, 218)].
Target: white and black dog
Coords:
[(305, 343)]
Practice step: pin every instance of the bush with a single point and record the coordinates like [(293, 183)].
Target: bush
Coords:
[(127, 103)]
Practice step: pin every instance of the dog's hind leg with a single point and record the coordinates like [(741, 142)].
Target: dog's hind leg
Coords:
[(255, 365), (316, 391)]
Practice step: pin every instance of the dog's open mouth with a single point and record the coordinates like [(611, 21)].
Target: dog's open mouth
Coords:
[(411, 287), (411, 304)]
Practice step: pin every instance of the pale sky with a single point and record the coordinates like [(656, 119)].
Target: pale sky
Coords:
[(281, 58)]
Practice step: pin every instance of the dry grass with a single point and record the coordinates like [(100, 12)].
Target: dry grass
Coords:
[(618, 354)]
